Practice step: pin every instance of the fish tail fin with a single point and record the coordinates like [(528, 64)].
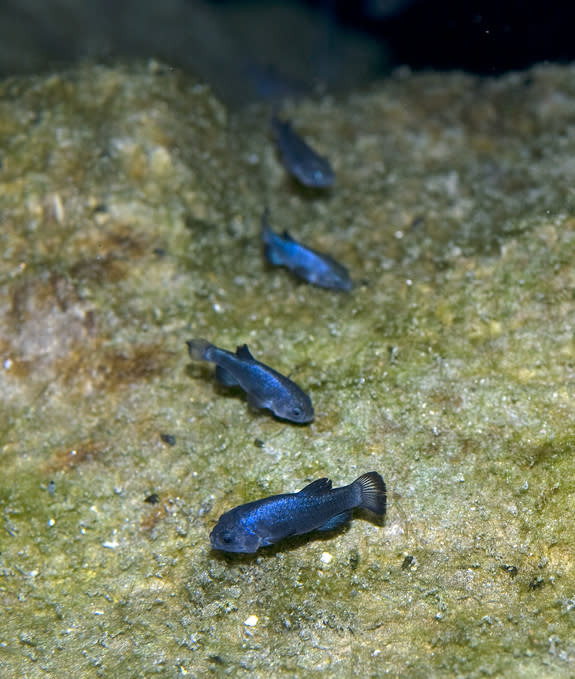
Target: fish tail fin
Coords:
[(267, 233), (372, 492), (272, 254), (272, 251), (200, 349), (278, 125)]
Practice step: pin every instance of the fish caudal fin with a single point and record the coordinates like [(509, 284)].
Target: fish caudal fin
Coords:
[(266, 233), (272, 242), (265, 218), (373, 494), (199, 349), (279, 126), (272, 254)]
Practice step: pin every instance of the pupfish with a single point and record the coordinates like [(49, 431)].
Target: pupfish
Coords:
[(318, 506), (265, 387), (299, 159), (314, 267)]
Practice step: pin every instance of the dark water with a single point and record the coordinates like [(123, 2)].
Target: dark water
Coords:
[(266, 49)]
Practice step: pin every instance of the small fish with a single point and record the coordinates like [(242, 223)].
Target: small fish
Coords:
[(299, 159), (264, 387), (267, 83), (318, 506), (314, 267)]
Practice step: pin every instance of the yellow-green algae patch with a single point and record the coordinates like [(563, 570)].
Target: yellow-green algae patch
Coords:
[(130, 202)]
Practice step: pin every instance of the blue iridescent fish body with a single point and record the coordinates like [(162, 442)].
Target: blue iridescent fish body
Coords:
[(314, 267), (299, 159), (264, 386), (318, 506)]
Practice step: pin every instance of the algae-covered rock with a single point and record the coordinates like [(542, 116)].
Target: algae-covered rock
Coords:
[(130, 202)]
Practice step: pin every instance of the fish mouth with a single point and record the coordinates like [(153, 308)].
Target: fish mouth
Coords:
[(290, 418), (220, 546), (224, 541), (300, 414), (234, 549)]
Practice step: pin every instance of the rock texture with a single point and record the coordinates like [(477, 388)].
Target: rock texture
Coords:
[(130, 202)]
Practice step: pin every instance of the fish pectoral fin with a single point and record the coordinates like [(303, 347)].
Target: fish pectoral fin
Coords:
[(307, 274), (278, 536), (244, 353), (225, 377), (272, 255), (317, 487), (256, 403), (336, 521)]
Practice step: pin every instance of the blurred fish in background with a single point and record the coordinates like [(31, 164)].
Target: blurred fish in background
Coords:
[(383, 9), (250, 50), (247, 50)]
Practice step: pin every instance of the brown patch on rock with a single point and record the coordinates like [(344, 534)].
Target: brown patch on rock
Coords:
[(48, 288), (153, 518), (133, 364), (96, 369), (109, 253), (100, 269), (18, 368), (65, 459), (47, 315)]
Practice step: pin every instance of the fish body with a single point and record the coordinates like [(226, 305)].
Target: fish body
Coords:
[(314, 267), (318, 506), (265, 387), (299, 159)]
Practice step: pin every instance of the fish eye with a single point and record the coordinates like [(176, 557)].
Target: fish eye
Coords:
[(227, 538), (296, 412)]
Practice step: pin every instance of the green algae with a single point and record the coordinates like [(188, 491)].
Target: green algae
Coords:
[(130, 203)]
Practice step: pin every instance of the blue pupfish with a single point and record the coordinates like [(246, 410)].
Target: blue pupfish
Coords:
[(314, 267), (265, 388), (318, 506), (299, 159)]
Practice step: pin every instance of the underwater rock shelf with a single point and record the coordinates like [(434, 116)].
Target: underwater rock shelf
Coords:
[(131, 202)]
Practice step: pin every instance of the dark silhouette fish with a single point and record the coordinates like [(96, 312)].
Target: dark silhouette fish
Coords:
[(318, 506), (314, 267), (265, 388), (299, 159), (268, 83)]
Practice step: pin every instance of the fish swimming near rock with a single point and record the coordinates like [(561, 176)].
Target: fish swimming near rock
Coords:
[(299, 159), (265, 387), (314, 267), (318, 506)]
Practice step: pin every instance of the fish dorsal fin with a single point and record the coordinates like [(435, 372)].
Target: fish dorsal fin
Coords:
[(267, 232), (286, 236), (244, 353), (317, 487)]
